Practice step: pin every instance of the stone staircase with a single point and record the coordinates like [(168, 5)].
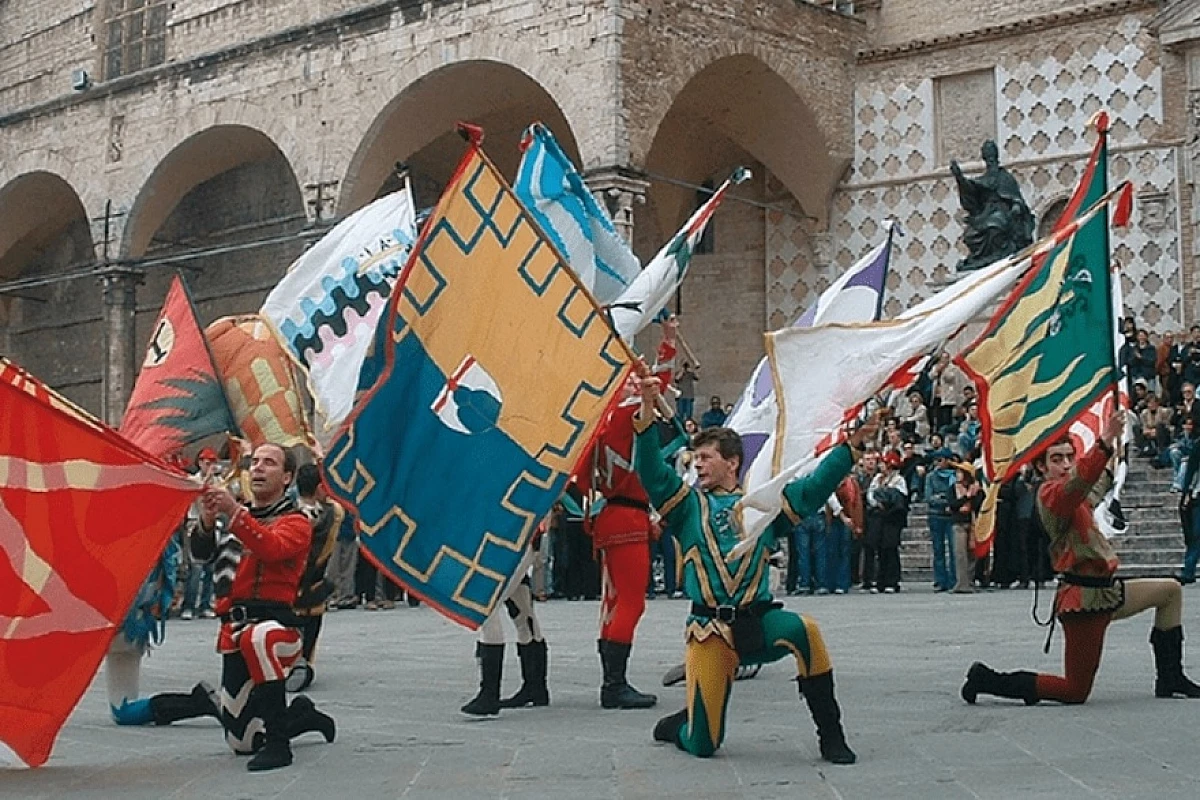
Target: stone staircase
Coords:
[(1151, 545)]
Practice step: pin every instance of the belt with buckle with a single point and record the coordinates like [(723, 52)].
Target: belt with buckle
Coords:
[(259, 611), (726, 614)]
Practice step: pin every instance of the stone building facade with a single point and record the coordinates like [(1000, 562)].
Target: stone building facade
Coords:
[(220, 137)]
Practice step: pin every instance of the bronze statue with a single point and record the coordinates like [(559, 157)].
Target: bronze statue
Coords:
[(999, 223)]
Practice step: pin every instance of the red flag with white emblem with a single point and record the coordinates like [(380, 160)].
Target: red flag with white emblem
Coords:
[(83, 515)]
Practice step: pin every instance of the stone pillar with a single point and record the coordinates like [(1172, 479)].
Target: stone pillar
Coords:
[(618, 190), (119, 285)]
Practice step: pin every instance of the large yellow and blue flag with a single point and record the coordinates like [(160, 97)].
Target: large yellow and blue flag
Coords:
[(481, 393)]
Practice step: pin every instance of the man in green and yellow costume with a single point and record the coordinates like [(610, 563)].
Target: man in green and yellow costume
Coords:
[(734, 620)]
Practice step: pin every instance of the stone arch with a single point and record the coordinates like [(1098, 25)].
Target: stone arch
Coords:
[(198, 159), (417, 126), (1049, 214), (50, 327), (742, 99), (44, 219)]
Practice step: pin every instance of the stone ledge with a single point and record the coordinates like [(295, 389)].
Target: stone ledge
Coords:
[(991, 32)]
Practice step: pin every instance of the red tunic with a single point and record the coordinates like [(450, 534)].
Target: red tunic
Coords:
[(625, 517), (276, 552), (1076, 545)]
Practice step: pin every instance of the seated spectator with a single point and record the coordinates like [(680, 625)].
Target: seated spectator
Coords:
[(1137, 403), (913, 468), (1152, 431), (1138, 359), (968, 436), (1167, 354), (899, 404), (947, 380), (1185, 409), (715, 416), (1178, 454), (1189, 355), (916, 422)]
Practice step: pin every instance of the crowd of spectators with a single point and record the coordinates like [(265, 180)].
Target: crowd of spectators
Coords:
[(927, 452)]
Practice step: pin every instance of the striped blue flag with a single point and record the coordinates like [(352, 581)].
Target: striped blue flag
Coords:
[(562, 205)]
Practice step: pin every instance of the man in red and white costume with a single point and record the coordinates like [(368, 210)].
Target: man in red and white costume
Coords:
[(621, 533), (260, 635)]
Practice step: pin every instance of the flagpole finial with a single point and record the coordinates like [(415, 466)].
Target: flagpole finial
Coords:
[(741, 175), (472, 133), (1124, 208), (528, 136), (1099, 121)]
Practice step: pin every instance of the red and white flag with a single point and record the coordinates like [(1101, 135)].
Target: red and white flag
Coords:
[(83, 515)]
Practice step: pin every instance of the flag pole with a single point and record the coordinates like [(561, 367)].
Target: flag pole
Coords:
[(687, 350), (1120, 217)]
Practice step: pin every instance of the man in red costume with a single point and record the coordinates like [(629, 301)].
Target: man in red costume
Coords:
[(260, 636), (1089, 595), (621, 533)]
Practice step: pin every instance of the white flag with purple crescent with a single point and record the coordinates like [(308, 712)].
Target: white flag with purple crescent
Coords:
[(856, 296)]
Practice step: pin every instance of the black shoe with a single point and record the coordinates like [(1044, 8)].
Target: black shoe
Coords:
[(491, 666), (822, 704), (271, 700), (533, 692), (300, 677), (303, 717), (1169, 680), (676, 674), (173, 706), (668, 728), (615, 691), (275, 754), (982, 679)]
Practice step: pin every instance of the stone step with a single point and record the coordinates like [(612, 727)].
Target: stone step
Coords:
[(1152, 546)]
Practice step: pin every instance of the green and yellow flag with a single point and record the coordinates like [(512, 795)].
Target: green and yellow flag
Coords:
[(1047, 353)]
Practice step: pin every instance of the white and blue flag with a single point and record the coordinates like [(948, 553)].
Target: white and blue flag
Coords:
[(560, 202)]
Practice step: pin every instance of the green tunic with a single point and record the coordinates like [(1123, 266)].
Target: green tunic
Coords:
[(706, 530)]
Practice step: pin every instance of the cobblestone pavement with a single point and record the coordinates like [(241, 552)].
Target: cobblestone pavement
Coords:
[(394, 681)]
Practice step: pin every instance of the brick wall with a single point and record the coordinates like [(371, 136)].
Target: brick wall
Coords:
[(40, 44)]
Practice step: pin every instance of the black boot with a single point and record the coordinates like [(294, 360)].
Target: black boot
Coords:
[(1168, 664), (303, 717), (982, 679), (491, 669), (676, 674), (818, 693), (271, 699), (668, 728), (615, 691), (534, 691), (173, 706)]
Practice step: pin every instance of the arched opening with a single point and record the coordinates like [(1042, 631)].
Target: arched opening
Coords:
[(1050, 216), (417, 129), (225, 208), (51, 329), (736, 111)]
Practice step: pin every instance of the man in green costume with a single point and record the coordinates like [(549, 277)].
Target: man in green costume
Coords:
[(734, 619)]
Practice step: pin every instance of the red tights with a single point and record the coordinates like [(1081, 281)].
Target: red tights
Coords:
[(1084, 642), (626, 571)]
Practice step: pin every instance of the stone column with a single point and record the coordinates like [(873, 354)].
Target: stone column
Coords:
[(120, 349), (618, 190)]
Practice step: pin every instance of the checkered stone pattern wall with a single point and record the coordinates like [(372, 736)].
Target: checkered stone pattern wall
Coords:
[(1044, 106), (893, 130), (924, 258)]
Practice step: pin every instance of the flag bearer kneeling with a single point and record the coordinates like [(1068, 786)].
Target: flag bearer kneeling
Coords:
[(1089, 597), (260, 636), (734, 619)]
